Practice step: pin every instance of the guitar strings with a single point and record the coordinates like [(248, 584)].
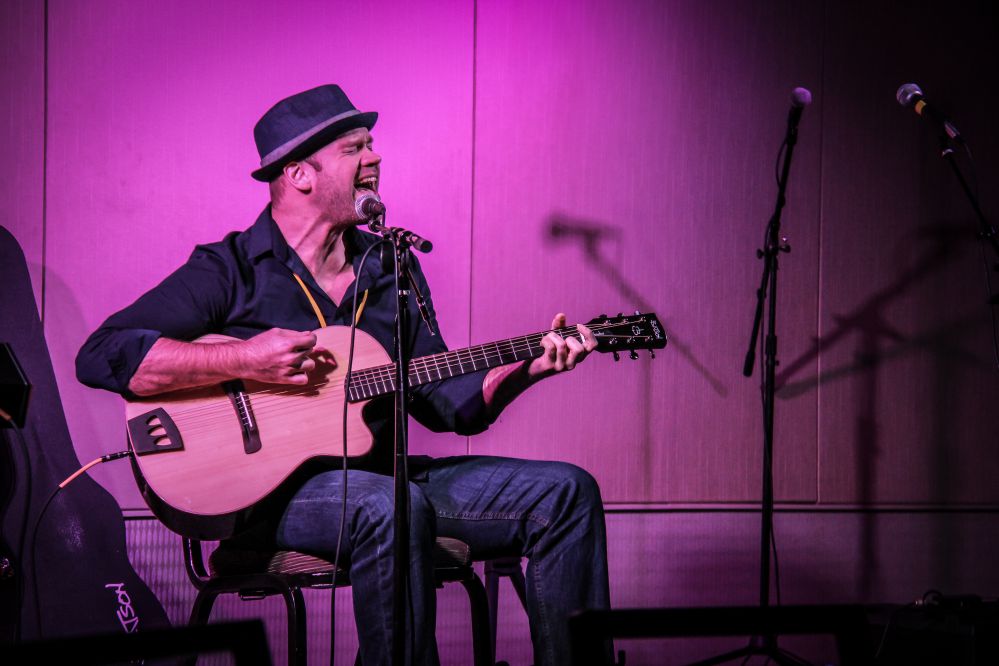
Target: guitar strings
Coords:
[(473, 354), (379, 379)]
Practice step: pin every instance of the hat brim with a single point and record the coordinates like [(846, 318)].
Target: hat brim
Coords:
[(310, 145)]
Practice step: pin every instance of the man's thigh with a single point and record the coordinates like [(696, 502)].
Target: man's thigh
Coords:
[(498, 506), (311, 520)]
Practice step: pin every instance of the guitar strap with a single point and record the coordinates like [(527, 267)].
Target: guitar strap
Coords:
[(315, 306)]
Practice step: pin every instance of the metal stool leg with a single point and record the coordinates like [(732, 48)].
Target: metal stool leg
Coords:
[(503, 566), (298, 649)]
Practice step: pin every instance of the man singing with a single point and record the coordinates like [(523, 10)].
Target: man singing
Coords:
[(292, 272)]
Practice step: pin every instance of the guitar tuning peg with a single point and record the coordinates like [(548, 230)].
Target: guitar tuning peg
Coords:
[(652, 353), (617, 357), (633, 355)]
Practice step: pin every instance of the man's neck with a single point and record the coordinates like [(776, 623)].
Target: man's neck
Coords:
[(318, 242)]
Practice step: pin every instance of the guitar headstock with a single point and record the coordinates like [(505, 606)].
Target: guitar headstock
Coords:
[(642, 330)]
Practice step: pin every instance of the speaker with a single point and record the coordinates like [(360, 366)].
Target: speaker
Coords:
[(954, 630), (244, 642)]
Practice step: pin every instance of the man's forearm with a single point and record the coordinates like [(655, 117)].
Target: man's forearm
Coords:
[(170, 365), (501, 385), (276, 356)]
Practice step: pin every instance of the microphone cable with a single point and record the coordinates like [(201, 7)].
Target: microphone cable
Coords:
[(346, 401)]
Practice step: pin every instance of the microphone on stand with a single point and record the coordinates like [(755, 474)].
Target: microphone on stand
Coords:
[(800, 98), (911, 95), (368, 206)]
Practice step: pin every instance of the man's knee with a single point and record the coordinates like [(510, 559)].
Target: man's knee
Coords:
[(378, 507), (582, 488), (577, 487)]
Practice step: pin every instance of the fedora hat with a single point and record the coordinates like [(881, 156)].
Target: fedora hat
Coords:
[(299, 125)]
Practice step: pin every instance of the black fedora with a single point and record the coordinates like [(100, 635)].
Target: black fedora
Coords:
[(300, 125)]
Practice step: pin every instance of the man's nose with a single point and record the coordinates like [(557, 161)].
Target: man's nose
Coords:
[(371, 157)]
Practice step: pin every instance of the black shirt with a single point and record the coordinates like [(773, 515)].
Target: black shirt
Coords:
[(244, 285)]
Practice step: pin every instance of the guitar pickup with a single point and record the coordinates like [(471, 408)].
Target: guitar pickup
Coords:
[(154, 432)]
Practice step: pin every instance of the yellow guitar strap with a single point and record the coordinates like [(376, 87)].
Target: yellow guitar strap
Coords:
[(315, 306)]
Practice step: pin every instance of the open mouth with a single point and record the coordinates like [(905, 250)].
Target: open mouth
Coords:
[(367, 183)]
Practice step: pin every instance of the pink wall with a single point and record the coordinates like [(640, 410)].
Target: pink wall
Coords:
[(656, 121), (22, 108)]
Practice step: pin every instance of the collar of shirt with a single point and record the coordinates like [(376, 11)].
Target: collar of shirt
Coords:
[(265, 238)]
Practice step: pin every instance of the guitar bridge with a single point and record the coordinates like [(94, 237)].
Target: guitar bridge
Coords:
[(244, 412)]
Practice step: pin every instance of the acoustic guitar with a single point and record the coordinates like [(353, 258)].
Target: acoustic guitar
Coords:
[(219, 450)]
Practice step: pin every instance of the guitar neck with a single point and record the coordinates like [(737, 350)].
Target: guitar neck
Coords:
[(379, 380)]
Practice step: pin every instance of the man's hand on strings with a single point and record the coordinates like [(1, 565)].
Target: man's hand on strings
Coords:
[(562, 353), (280, 356)]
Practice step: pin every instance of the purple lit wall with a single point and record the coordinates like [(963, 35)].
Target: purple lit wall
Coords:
[(127, 140)]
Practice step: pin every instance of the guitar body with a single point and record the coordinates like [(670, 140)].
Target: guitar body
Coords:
[(207, 459), (195, 457)]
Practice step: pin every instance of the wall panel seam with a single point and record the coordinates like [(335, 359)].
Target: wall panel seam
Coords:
[(45, 155), (818, 299), (471, 207)]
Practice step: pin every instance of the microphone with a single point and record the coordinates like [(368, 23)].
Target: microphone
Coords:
[(800, 98), (368, 205), (910, 94)]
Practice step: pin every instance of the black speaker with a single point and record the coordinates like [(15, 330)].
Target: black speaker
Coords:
[(245, 643), (958, 631)]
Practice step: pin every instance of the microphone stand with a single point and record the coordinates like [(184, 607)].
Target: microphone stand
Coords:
[(766, 645), (400, 527), (987, 232)]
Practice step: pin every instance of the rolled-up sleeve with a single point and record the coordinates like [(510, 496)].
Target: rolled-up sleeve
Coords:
[(191, 302), (456, 404)]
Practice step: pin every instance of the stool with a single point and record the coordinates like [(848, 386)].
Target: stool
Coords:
[(255, 574)]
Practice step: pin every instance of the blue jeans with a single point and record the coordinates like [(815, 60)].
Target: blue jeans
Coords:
[(549, 512)]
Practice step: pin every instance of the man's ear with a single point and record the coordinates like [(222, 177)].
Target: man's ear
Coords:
[(300, 175)]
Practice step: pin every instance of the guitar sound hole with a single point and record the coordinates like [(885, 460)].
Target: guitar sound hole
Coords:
[(162, 441), (158, 431)]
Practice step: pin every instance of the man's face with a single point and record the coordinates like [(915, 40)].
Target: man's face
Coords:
[(341, 169)]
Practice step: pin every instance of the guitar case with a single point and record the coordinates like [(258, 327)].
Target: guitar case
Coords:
[(72, 576)]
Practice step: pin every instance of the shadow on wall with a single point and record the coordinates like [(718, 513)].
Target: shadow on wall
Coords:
[(879, 341), (592, 236)]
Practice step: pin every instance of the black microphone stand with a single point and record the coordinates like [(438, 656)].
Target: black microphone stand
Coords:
[(766, 645), (986, 232), (400, 527)]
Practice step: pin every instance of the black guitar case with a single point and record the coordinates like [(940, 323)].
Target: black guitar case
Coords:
[(75, 578)]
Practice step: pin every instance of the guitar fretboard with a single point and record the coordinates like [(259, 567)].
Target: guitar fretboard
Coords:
[(379, 380)]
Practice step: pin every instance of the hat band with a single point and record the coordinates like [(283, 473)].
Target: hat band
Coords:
[(291, 144)]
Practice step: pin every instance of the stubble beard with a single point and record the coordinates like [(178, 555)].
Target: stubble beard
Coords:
[(337, 206)]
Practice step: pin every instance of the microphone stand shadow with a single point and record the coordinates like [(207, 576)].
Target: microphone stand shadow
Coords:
[(589, 234), (871, 323)]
